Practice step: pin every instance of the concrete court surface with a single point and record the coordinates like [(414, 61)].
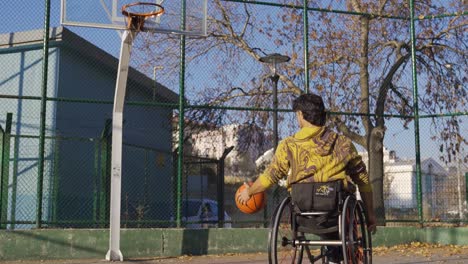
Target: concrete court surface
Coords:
[(402, 254)]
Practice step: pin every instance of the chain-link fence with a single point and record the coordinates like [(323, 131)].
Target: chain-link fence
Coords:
[(392, 75)]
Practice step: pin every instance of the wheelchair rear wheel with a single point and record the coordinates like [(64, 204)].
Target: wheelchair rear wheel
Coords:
[(357, 245), (280, 247)]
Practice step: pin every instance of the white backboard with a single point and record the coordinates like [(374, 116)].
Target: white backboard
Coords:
[(108, 14)]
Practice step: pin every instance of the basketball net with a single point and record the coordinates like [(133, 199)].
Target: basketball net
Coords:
[(137, 13)]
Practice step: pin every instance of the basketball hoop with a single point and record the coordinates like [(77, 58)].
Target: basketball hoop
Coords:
[(138, 12)]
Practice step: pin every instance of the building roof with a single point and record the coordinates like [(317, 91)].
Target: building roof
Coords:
[(62, 37), (427, 165)]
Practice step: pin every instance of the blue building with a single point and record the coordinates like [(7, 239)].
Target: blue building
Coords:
[(80, 90)]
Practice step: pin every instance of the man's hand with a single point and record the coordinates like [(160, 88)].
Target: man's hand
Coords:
[(244, 195)]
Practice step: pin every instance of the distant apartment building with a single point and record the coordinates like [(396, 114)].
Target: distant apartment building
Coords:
[(438, 186), (210, 141)]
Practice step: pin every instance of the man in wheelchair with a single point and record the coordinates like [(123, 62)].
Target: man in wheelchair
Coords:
[(318, 164)]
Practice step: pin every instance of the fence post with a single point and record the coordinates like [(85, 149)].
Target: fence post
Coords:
[(14, 182), (220, 186), (305, 18), (5, 170), (2, 135), (175, 172), (466, 189), (417, 144), (42, 119)]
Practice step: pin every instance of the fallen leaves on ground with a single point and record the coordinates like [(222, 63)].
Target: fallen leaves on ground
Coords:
[(421, 249)]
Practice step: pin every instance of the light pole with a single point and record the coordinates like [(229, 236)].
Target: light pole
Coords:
[(273, 60)]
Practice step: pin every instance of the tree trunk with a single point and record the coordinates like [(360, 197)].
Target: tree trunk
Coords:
[(376, 171)]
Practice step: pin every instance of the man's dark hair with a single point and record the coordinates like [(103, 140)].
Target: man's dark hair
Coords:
[(312, 108)]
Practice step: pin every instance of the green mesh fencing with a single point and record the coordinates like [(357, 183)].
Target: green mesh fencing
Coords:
[(200, 112)]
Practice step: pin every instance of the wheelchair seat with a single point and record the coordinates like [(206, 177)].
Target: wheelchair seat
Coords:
[(316, 222)]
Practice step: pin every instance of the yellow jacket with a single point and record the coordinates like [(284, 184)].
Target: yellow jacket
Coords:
[(316, 154)]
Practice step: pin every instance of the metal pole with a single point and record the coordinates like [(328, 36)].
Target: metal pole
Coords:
[(305, 15), (459, 175), (5, 170), (274, 59), (466, 188), (14, 183), (220, 191), (42, 126), (220, 186), (180, 157), (117, 129), (275, 79), (416, 113), (2, 175)]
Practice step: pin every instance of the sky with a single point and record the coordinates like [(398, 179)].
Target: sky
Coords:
[(28, 15)]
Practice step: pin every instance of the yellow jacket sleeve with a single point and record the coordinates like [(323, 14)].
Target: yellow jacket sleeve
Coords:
[(278, 167)]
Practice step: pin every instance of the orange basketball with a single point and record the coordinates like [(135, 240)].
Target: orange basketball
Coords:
[(254, 204)]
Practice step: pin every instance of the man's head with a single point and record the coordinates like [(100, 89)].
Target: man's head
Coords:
[(312, 108)]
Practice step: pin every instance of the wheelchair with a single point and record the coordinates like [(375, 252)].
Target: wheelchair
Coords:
[(291, 231)]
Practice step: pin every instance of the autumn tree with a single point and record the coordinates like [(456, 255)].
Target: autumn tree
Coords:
[(360, 62)]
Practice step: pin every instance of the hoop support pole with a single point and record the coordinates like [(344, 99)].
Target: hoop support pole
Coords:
[(114, 253)]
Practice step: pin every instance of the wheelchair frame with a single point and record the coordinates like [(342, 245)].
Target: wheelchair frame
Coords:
[(287, 245)]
